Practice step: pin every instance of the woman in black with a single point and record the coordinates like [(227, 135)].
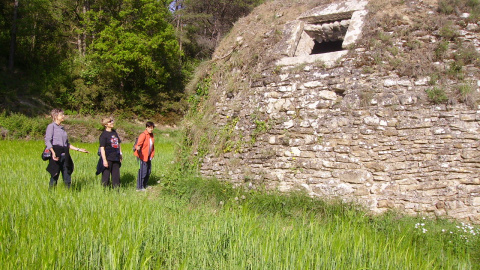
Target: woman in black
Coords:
[(110, 153)]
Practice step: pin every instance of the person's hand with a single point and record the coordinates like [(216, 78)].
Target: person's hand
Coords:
[(105, 164), (83, 150), (54, 157)]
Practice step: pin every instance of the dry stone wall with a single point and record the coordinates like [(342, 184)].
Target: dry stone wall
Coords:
[(385, 150), (373, 138)]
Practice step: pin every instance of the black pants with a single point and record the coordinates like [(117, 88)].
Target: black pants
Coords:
[(144, 174), (67, 178), (114, 170)]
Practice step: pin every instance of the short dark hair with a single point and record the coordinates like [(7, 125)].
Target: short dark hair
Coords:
[(150, 124)]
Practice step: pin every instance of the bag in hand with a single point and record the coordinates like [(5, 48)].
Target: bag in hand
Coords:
[(46, 154)]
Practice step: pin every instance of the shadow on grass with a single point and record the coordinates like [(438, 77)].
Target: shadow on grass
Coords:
[(127, 179), (154, 180), (79, 183)]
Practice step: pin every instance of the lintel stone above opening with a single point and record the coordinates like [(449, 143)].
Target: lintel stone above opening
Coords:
[(322, 34)]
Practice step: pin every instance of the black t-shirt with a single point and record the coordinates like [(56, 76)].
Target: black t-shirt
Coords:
[(111, 142)]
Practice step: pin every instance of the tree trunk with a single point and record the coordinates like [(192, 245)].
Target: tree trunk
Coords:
[(34, 36), (84, 32), (13, 37)]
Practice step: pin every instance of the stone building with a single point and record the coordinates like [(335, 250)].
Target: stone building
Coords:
[(323, 114)]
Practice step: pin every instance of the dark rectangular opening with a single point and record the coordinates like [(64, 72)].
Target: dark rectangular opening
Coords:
[(326, 47)]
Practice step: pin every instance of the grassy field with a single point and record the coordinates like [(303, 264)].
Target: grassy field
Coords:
[(176, 225)]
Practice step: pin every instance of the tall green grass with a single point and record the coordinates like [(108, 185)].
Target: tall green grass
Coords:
[(204, 225)]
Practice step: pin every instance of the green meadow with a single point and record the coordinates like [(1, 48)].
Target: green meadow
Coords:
[(186, 222)]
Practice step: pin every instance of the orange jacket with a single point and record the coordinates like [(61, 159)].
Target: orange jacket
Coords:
[(144, 143)]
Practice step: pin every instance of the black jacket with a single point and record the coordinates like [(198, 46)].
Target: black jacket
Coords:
[(54, 166)]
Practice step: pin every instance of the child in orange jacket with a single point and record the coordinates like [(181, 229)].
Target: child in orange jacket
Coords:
[(145, 151)]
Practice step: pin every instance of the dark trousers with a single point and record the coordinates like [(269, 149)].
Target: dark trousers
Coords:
[(114, 170), (67, 178), (144, 174)]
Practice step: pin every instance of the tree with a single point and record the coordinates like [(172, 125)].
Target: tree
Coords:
[(134, 61), (202, 23), (13, 36)]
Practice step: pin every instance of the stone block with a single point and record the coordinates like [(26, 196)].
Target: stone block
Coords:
[(353, 176), (292, 32), (385, 204), (328, 95), (468, 117), (362, 191), (476, 201), (354, 29), (376, 166), (305, 45)]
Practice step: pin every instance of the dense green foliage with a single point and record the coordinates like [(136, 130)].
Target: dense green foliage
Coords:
[(19, 126), (99, 56), (93, 56), (133, 63), (191, 223), (79, 128)]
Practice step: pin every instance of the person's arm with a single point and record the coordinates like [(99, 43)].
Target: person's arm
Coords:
[(120, 149), (102, 151), (78, 149), (152, 138), (141, 140), (119, 146), (49, 136), (104, 157), (49, 141)]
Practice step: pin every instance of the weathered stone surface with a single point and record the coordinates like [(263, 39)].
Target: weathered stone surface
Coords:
[(332, 12), (337, 131), (292, 33), (305, 45), (354, 29), (354, 176), (327, 58)]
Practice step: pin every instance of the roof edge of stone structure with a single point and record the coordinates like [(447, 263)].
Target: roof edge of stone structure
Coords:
[(298, 44), (332, 12)]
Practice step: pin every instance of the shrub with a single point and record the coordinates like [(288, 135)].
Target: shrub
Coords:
[(468, 95), (441, 49), (385, 37), (437, 95), (456, 69), (452, 6), (448, 32), (467, 54), (433, 79), (446, 6), (16, 126)]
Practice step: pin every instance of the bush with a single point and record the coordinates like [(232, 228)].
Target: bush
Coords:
[(446, 6), (437, 95), (455, 69), (467, 54), (17, 126), (468, 95), (452, 6), (441, 49), (448, 31)]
